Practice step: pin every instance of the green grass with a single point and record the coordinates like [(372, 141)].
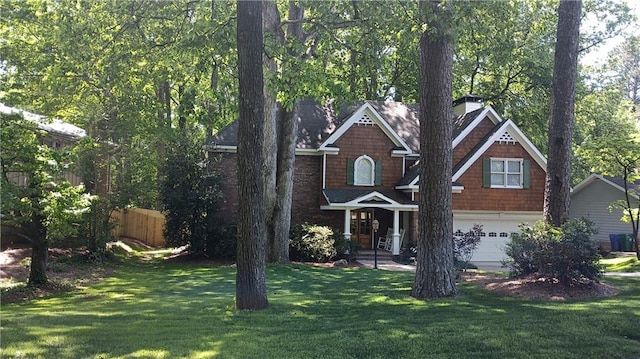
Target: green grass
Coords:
[(163, 310), (621, 264)]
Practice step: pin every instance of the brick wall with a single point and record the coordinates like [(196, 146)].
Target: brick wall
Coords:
[(226, 163), (476, 197), (307, 191)]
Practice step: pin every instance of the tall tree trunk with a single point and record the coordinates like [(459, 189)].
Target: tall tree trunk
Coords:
[(251, 288), (37, 233), (435, 275), (279, 220), (565, 72), (273, 34), (286, 166)]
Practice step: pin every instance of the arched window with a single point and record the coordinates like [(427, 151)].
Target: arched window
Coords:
[(364, 168)]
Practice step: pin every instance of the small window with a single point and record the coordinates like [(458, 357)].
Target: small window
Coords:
[(506, 172), (364, 171), (483, 234), (459, 233), (493, 234), (504, 234)]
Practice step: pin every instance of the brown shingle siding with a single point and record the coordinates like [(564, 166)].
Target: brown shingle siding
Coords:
[(476, 197), (472, 139), (358, 141)]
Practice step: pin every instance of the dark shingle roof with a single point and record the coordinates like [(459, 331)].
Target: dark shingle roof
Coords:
[(620, 182), (462, 122), (410, 175), (317, 122)]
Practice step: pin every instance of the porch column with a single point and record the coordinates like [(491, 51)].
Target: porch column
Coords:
[(347, 224), (396, 232)]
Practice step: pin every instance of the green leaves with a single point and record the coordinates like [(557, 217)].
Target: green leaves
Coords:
[(33, 182)]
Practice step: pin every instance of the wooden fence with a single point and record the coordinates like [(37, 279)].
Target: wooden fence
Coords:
[(142, 224)]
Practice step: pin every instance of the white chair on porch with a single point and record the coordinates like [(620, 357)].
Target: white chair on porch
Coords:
[(389, 243), (383, 242)]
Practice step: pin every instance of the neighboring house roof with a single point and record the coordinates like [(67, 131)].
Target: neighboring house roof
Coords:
[(615, 182), (47, 124)]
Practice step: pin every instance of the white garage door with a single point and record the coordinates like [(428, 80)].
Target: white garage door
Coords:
[(495, 235)]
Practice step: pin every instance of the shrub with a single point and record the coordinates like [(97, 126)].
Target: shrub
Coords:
[(222, 243), (191, 194), (464, 246), (346, 248), (566, 254), (311, 243)]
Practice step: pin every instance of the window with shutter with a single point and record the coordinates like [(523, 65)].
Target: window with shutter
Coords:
[(506, 173), (364, 171), (350, 166)]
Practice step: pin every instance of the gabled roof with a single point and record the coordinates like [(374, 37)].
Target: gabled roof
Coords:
[(509, 127), (46, 124), (365, 114), (380, 198), (495, 135), (317, 123), (615, 182)]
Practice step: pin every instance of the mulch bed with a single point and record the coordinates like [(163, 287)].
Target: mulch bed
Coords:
[(14, 273), (533, 287)]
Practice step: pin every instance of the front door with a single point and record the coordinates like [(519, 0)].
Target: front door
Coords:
[(361, 220)]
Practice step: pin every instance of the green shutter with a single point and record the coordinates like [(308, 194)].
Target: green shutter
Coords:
[(486, 172), (349, 171), (378, 173), (526, 173)]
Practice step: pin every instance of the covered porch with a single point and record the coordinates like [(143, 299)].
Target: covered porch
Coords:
[(392, 210)]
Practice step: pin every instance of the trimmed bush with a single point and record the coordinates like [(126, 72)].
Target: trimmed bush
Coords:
[(566, 254), (311, 243)]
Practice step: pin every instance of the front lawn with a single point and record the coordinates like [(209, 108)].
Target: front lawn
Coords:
[(626, 263), (169, 310)]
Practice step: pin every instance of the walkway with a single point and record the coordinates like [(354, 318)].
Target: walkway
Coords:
[(385, 263)]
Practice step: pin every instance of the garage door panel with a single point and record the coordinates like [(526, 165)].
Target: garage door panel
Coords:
[(496, 234)]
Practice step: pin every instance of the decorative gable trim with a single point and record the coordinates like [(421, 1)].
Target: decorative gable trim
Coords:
[(366, 115), (513, 131), (373, 199), (365, 120), (488, 112), (506, 138)]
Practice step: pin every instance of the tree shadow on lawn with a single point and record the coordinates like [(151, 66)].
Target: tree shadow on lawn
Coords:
[(175, 310)]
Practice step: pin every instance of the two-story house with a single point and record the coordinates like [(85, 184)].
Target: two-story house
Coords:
[(362, 165)]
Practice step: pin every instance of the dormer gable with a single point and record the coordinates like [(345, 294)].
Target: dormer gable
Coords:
[(506, 132), (365, 115)]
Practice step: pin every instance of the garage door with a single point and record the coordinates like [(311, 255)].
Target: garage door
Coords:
[(494, 237)]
